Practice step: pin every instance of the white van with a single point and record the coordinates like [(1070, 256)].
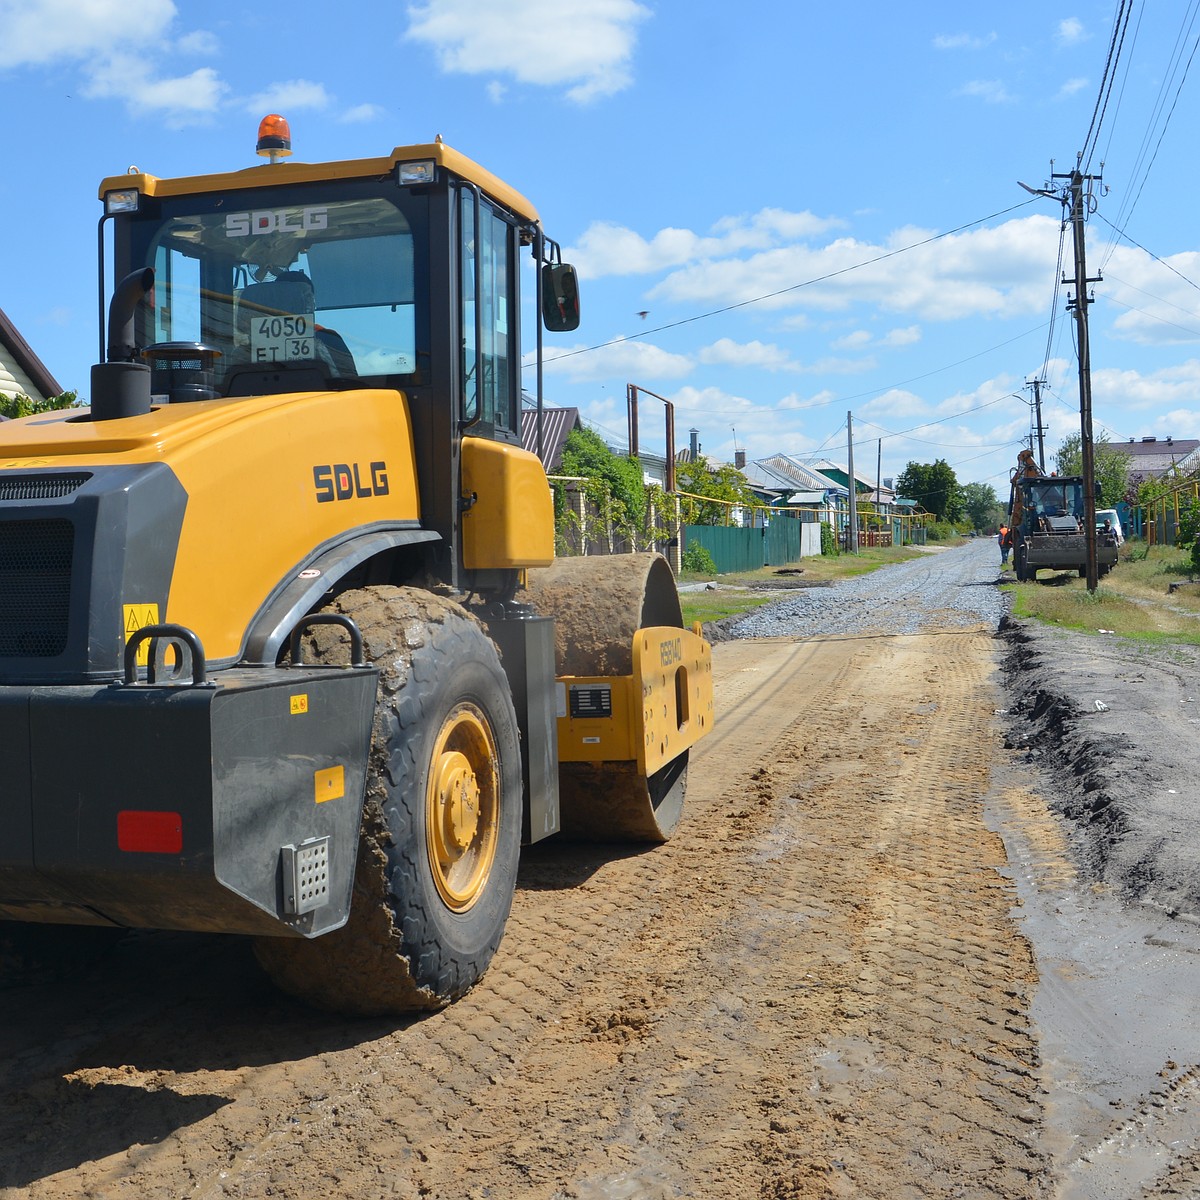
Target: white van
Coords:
[(1110, 515)]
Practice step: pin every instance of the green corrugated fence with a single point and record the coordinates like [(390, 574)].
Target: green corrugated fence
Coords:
[(735, 549)]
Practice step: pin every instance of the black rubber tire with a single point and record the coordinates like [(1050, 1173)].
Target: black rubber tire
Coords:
[(405, 948), (1021, 566)]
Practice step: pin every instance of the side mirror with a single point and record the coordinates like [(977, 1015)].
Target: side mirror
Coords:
[(560, 297)]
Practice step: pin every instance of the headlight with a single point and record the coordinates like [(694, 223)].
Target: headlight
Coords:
[(417, 172), (125, 200)]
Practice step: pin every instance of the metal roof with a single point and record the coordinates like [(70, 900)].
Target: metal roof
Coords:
[(25, 358), (1154, 455), (782, 469), (557, 423)]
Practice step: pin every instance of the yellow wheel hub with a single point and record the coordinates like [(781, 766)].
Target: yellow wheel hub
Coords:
[(462, 807)]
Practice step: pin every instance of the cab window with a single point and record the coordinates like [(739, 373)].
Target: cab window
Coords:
[(487, 280)]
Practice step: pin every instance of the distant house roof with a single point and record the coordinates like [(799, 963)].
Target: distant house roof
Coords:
[(20, 369), (557, 423), (1154, 455), (862, 483), (796, 474), (782, 480)]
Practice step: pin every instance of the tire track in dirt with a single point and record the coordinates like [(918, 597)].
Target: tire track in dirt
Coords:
[(814, 990)]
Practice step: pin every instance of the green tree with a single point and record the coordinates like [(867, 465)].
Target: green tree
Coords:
[(934, 487), (24, 406), (1112, 467), (1188, 535), (723, 483), (981, 504), (586, 455)]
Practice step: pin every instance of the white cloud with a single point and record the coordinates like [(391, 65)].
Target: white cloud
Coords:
[(39, 32), (585, 47), (609, 249), (1070, 31), (894, 403), (631, 358), (726, 352), (990, 90), (818, 400), (1156, 306), (288, 96), (184, 100), (962, 41), (199, 42), (710, 401), (999, 271), (121, 45), (839, 366), (1071, 87), (360, 113), (1174, 390), (858, 340)]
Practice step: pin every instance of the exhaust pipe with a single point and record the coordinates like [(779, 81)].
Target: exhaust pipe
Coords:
[(121, 386)]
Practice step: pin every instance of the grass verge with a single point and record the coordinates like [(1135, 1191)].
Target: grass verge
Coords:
[(1133, 601)]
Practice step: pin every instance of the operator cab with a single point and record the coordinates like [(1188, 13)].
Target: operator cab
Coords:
[(396, 273)]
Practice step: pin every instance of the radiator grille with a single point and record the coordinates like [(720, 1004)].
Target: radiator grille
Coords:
[(35, 587), (39, 487)]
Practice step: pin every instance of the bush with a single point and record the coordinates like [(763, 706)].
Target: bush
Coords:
[(1188, 536), (941, 531), (829, 544), (21, 405), (698, 561)]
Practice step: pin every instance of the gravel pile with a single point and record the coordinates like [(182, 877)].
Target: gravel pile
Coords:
[(958, 586)]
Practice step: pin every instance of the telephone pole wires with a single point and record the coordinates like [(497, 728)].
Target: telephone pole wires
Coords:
[(852, 529), (1075, 195), (1080, 305), (1039, 429)]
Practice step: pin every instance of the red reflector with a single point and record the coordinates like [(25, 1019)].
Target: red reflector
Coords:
[(150, 832)]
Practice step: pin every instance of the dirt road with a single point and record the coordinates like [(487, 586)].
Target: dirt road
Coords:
[(816, 989)]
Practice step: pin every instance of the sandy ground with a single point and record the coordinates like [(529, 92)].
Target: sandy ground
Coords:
[(826, 985)]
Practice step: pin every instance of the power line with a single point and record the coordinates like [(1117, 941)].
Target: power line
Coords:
[(716, 312), (1120, 24), (1125, 212), (1122, 234)]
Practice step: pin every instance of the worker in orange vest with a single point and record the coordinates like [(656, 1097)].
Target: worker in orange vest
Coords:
[(1005, 540)]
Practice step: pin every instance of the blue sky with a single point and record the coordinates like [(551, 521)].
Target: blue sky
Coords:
[(775, 186)]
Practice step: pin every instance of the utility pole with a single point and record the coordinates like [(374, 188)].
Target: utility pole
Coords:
[(852, 533), (1075, 194), (1039, 428), (1080, 304)]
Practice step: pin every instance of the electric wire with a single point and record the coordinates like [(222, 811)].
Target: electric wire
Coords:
[(1162, 261), (1120, 24), (715, 312), (1124, 79), (1125, 210)]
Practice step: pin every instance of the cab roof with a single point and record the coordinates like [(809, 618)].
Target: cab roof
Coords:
[(276, 174)]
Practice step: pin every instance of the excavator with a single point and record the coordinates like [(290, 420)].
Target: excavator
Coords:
[(1046, 517)]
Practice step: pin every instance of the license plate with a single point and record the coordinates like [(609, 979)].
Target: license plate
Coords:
[(282, 339)]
